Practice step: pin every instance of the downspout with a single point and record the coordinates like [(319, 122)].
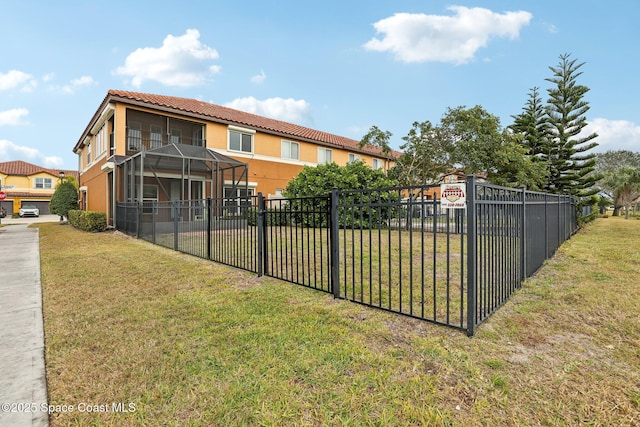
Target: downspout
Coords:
[(141, 194), (113, 195)]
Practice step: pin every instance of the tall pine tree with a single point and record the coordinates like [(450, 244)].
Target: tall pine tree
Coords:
[(533, 125), (571, 166)]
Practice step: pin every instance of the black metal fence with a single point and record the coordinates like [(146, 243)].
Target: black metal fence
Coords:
[(393, 249)]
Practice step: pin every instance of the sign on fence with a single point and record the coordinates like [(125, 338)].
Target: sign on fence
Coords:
[(453, 196)]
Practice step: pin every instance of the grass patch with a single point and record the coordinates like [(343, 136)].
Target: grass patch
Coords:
[(190, 342)]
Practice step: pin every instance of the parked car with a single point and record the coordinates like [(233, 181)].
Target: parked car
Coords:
[(29, 210)]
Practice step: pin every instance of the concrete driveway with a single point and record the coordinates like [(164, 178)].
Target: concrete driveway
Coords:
[(23, 384), (30, 220)]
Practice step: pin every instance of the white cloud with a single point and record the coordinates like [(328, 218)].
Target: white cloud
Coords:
[(259, 78), (436, 38), (13, 117), (17, 79), (288, 110), (614, 134), (181, 61), (74, 85), (10, 151), (53, 162)]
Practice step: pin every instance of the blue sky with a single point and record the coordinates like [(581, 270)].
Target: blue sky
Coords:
[(336, 66)]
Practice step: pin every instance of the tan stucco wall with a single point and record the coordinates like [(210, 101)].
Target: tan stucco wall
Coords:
[(26, 184), (20, 188), (96, 182), (268, 171)]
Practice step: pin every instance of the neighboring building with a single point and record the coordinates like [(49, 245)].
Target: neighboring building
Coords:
[(144, 147), (28, 184)]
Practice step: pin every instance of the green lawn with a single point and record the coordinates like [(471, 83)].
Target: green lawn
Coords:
[(190, 342)]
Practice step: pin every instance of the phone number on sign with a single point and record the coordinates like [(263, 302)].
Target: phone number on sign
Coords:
[(80, 407)]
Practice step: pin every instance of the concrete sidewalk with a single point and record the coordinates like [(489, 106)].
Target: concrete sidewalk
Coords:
[(23, 385)]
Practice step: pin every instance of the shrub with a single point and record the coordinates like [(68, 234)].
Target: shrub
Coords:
[(88, 220), (357, 210), (64, 200)]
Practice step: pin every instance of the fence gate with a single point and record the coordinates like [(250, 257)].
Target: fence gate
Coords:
[(295, 240), (401, 252)]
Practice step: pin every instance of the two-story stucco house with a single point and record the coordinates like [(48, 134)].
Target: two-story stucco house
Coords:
[(28, 184), (145, 147)]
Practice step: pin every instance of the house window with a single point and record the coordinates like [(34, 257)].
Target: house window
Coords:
[(354, 157), (44, 183), (100, 141), (88, 154), (376, 164), (290, 150), (236, 198), (149, 196), (324, 155), (198, 140), (156, 136), (240, 141), (176, 136), (134, 136)]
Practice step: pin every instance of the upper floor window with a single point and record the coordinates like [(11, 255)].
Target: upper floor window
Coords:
[(290, 150), (44, 183), (198, 140), (376, 164), (353, 157), (240, 141), (155, 136), (176, 136), (100, 144), (134, 136), (88, 154), (325, 155)]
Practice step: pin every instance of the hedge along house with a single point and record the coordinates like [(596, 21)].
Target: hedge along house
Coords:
[(153, 148)]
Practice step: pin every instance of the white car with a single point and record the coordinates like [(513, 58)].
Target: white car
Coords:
[(29, 210)]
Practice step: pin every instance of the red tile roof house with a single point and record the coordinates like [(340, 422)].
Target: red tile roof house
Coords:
[(28, 184), (144, 147)]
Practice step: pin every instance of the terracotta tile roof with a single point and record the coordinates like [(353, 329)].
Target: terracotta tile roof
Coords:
[(218, 113), (21, 168)]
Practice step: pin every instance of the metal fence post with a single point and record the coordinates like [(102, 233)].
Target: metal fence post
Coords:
[(154, 217), (558, 231), (208, 207), (260, 215), (523, 236), (471, 255), (176, 212), (546, 227), (138, 219), (333, 242)]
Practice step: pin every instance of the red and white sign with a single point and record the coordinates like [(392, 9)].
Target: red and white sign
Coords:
[(3, 195), (453, 196)]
